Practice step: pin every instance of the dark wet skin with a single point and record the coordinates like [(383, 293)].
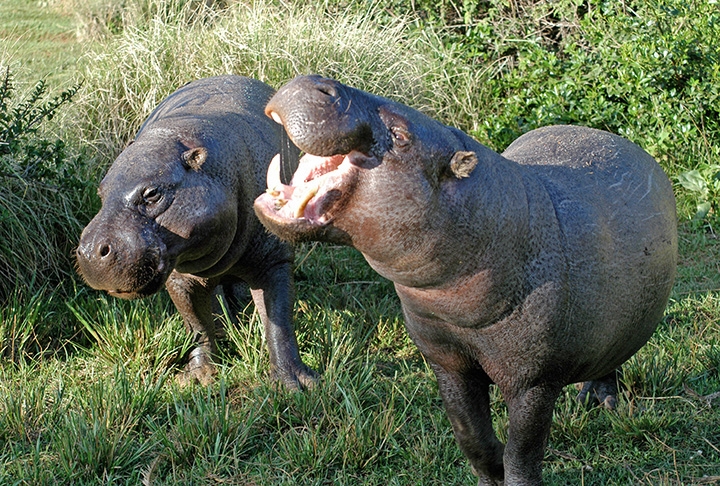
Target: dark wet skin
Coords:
[(547, 265), (177, 212)]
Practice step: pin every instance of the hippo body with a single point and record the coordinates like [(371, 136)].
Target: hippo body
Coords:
[(547, 265), (177, 210)]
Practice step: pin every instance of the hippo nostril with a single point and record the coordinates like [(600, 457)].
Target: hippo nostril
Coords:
[(104, 250), (327, 89)]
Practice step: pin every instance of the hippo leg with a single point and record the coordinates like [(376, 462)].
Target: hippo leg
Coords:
[(193, 298), (235, 295), (602, 391), (467, 403), (530, 417), (274, 296)]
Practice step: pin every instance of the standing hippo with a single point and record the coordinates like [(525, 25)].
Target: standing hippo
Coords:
[(547, 265), (177, 210)]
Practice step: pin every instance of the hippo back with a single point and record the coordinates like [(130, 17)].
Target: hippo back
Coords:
[(223, 108)]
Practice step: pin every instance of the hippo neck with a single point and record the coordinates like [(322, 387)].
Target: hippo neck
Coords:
[(466, 231)]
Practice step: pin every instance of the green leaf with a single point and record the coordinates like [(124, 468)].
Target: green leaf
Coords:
[(693, 181), (702, 210)]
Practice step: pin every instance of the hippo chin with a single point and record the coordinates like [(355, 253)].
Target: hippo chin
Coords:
[(177, 211), (547, 265)]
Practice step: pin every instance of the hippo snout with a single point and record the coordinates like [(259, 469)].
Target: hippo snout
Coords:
[(124, 262), (342, 126), (95, 253)]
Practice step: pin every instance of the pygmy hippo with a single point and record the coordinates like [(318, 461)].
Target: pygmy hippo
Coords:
[(547, 265), (177, 210)]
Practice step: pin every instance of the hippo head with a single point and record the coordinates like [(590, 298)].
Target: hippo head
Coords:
[(161, 211), (365, 156)]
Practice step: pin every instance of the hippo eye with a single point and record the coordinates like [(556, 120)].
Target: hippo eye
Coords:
[(400, 136), (151, 195)]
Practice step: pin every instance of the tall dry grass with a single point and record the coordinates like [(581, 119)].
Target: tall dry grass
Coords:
[(128, 74)]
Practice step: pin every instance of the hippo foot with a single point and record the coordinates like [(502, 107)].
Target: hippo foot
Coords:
[(485, 480), (295, 377), (602, 392), (489, 482), (199, 369)]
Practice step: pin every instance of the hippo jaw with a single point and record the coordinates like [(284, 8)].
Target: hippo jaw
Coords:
[(305, 209), (157, 278), (327, 175)]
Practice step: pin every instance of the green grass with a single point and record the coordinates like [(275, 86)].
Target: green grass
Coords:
[(87, 390), (38, 41), (110, 413)]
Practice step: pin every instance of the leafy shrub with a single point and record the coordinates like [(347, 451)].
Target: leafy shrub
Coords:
[(23, 154), (41, 193), (651, 74)]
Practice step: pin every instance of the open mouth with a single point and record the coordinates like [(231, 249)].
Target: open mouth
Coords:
[(311, 203), (316, 188)]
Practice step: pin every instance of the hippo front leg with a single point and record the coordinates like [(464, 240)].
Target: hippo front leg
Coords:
[(274, 297), (193, 298), (466, 399), (530, 417)]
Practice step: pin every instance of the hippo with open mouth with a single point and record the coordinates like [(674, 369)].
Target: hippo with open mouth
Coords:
[(547, 265), (177, 212)]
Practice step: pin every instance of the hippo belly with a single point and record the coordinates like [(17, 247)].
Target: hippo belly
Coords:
[(616, 223)]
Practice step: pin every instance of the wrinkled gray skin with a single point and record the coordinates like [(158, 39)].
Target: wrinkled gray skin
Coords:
[(547, 265), (177, 210)]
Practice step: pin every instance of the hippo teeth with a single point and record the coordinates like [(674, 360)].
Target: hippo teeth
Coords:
[(276, 117), (303, 202), (306, 182), (318, 183)]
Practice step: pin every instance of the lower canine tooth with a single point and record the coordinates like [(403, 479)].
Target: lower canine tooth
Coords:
[(300, 209)]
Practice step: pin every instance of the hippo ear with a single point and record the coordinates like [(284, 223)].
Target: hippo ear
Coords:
[(194, 158), (463, 163)]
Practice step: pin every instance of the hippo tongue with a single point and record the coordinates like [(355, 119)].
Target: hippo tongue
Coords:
[(313, 179)]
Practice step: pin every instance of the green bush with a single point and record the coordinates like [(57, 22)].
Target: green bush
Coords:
[(649, 71), (41, 193), (23, 153)]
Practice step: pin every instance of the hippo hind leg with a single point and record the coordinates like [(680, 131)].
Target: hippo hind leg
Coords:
[(602, 391)]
